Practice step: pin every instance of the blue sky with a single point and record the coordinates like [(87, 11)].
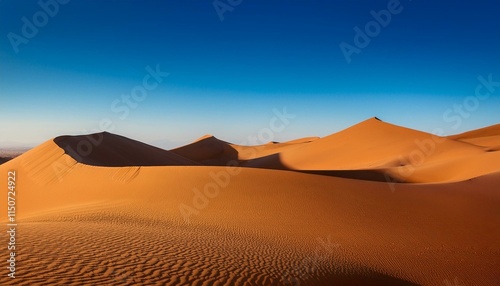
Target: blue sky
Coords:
[(226, 77)]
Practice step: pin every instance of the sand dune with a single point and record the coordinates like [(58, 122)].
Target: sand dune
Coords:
[(105, 149), (488, 137), (246, 153), (379, 149), (368, 145), (493, 130), (83, 223), (208, 150)]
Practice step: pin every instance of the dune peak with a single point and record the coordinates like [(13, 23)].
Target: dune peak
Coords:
[(206, 136)]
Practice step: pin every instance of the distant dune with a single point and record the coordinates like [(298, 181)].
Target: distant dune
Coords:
[(208, 150), (211, 151), (7, 154), (488, 137), (314, 211), (302, 140)]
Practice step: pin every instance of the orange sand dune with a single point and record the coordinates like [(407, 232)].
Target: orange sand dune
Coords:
[(488, 137), (211, 151), (82, 224), (208, 150), (493, 130), (379, 150), (246, 153), (367, 145), (371, 150), (116, 226)]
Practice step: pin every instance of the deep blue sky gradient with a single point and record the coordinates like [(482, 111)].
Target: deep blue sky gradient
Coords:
[(227, 76)]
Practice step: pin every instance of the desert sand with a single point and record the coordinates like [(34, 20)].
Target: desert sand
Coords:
[(374, 204)]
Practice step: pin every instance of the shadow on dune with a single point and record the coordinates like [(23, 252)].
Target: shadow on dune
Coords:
[(274, 162), (110, 150), (208, 151), (367, 175)]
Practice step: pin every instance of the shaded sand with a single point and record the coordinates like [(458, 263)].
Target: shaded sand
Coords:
[(106, 149), (214, 225), (208, 150)]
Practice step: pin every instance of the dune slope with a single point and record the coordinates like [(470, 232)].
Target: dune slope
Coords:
[(207, 225)]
